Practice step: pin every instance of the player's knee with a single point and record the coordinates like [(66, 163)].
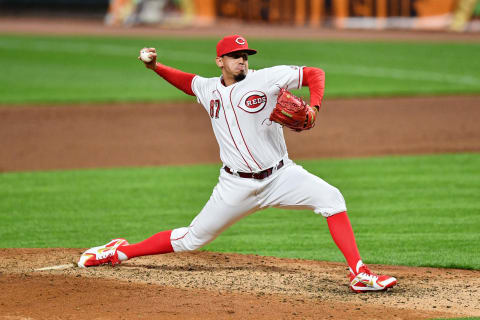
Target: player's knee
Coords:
[(335, 203), (188, 239)]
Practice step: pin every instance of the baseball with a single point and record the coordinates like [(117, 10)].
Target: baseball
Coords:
[(145, 56)]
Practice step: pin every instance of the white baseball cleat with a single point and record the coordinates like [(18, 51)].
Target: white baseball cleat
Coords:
[(102, 255), (365, 281)]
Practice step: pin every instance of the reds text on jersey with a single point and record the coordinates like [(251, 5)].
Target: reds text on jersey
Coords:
[(248, 140)]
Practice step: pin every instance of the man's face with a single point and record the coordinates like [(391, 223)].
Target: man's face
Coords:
[(234, 64)]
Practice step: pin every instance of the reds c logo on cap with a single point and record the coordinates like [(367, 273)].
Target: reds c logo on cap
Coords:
[(233, 43), (253, 101), (240, 40)]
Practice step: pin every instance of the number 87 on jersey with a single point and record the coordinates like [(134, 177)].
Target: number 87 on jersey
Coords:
[(214, 108)]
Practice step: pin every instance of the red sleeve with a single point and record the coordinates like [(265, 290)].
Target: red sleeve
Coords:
[(314, 79), (179, 79)]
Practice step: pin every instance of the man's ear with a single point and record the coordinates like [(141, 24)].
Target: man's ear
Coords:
[(219, 62)]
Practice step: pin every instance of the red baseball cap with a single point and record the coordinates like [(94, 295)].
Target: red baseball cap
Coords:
[(233, 43)]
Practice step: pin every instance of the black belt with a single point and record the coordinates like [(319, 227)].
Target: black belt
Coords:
[(255, 175)]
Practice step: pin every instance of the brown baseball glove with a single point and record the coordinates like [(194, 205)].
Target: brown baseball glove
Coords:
[(293, 112)]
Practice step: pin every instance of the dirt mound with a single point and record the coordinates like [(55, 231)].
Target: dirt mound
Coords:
[(206, 285)]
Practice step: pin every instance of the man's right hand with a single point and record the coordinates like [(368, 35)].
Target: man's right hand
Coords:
[(153, 55)]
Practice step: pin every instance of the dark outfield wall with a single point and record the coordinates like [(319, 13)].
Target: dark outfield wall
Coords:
[(86, 8)]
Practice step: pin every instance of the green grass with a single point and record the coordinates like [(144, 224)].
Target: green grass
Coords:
[(412, 210), (44, 69)]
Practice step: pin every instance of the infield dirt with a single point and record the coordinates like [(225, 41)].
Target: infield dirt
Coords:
[(207, 285), (92, 136)]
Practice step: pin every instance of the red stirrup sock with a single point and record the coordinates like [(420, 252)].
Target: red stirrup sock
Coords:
[(342, 234), (156, 244)]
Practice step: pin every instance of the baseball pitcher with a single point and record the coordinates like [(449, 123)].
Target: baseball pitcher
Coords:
[(248, 110)]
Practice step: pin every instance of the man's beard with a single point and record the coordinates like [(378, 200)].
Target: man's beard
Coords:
[(239, 77)]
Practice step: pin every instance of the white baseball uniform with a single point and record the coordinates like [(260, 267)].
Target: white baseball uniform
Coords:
[(250, 142)]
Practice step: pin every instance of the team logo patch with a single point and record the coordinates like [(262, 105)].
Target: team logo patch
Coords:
[(253, 101), (240, 40)]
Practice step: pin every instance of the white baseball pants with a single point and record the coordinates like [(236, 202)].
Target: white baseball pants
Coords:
[(234, 197)]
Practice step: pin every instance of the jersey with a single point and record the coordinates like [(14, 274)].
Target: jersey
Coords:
[(239, 113)]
